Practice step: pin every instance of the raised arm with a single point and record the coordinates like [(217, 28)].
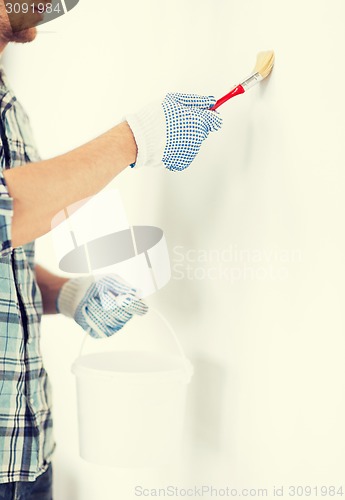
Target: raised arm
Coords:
[(41, 190), (168, 133)]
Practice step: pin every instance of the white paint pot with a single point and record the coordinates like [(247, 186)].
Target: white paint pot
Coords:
[(131, 406)]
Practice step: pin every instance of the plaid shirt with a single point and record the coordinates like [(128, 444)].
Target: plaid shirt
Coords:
[(26, 440)]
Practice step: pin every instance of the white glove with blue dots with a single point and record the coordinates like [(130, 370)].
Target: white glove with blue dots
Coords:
[(170, 133), (102, 305)]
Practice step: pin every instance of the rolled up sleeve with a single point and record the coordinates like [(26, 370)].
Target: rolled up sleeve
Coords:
[(6, 213)]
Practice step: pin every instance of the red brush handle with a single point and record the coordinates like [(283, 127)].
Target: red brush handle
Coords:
[(236, 91)]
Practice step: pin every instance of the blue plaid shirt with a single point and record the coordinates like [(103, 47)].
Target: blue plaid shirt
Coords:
[(26, 439)]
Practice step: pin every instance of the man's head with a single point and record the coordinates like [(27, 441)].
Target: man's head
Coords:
[(17, 21)]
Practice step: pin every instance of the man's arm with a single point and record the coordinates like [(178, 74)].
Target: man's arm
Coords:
[(169, 133), (50, 286), (40, 190)]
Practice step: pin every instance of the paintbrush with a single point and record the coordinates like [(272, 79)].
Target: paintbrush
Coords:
[(263, 67)]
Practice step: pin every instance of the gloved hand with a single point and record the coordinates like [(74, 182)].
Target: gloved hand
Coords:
[(171, 132), (100, 306)]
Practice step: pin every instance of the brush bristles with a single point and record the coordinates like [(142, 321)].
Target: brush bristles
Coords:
[(264, 63)]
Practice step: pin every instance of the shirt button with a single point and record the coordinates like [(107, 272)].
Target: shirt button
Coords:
[(32, 401), (29, 340)]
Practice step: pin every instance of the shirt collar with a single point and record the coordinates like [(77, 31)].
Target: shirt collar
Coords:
[(6, 94)]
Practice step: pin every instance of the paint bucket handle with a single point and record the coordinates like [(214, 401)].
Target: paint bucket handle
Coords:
[(168, 326)]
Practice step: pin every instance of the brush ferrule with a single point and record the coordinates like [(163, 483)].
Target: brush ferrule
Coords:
[(251, 81)]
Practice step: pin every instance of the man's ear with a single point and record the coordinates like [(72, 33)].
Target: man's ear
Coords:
[(21, 19)]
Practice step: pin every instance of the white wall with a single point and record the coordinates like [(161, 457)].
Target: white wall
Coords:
[(265, 325)]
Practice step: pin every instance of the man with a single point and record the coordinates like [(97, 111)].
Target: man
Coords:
[(168, 134)]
